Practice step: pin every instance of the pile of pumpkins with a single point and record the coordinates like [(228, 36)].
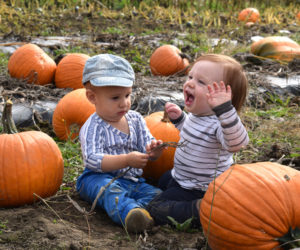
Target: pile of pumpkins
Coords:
[(32, 63)]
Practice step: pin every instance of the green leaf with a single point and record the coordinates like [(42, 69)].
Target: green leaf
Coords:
[(182, 227)]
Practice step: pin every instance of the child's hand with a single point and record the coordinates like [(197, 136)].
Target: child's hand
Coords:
[(137, 159), (153, 150), (218, 94), (173, 110)]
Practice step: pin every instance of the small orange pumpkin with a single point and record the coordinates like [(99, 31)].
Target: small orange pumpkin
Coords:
[(30, 62), (69, 71), (71, 113), (167, 60), (298, 16), (162, 129), (30, 163), (251, 206), (249, 15), (276, 47)]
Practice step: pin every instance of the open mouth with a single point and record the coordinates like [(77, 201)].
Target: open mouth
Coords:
[(189, 98)]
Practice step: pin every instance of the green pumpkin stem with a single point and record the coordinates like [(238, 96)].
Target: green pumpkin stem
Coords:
[(291, 239), (8, 123)]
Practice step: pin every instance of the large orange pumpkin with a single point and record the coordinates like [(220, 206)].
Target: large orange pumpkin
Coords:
[(30, 62), (167, 60), (251, 206), (71, 113), (276, 47), (30, 163), (162, 129), (249, 15), (69, 71)]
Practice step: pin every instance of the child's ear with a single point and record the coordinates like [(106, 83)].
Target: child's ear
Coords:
[(90, 95)]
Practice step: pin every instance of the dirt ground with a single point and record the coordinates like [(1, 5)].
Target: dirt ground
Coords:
[(54, 223)]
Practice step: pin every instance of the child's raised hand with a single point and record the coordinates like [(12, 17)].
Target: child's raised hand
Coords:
[(173, 110), (218, 94)]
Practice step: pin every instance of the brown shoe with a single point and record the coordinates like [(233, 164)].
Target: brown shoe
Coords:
[(138, 220)]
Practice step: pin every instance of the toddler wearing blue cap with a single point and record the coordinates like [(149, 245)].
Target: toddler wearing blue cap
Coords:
[(115, 141)]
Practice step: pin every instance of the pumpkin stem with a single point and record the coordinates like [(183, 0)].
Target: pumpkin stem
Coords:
[(165, 117), (8, 123), (291, 239)]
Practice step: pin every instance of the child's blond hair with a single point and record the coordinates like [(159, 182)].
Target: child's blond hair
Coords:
[(234, 76)]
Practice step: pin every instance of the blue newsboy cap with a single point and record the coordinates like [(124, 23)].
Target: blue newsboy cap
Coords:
[(108, 70)]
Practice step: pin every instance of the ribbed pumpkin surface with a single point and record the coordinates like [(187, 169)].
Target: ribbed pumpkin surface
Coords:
[(69, 71), (165, 131), (71, 113), (276, 47), (166, 60), (253, 204), (32, 63), (30, 162)]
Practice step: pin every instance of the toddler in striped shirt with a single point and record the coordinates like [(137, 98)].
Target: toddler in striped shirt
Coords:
[(116, 144), (211, 131)]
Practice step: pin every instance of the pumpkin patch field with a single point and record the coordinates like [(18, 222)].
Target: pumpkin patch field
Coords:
[(43, 47)]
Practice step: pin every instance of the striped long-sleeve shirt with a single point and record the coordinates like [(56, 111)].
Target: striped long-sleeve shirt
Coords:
[(99, 138), (209, 145)]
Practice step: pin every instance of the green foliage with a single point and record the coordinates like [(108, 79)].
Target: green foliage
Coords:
[(275, 112), (3, 226), (113, 30), (182, 227), (3, 59), (294, 155), (277, 100), (75, 49), (73, 164), (279, 109)]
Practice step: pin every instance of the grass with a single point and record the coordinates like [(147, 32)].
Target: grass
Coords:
[(204, 15), (267, 129), (73, 164), (3, 226)]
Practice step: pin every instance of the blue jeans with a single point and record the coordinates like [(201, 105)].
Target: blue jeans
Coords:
[(174, 201), (119, 197)]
